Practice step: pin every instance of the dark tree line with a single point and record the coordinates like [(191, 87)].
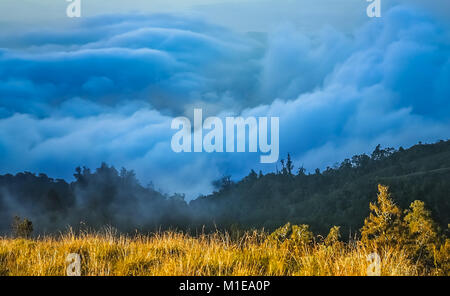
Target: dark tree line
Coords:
[(339, 195)]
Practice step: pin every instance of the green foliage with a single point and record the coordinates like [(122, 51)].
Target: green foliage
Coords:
[(336, 196), (321, 199), (287, 168), (22, 228)]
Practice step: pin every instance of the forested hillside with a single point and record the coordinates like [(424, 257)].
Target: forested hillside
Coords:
[(335, 196)]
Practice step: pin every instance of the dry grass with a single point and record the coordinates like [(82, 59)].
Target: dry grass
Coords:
[(171, 253)]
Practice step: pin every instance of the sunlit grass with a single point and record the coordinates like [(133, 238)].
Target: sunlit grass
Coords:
[(171, 253)]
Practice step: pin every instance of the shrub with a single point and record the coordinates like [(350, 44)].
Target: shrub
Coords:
[(333, 236), (22, 228), (384, 226), (291, 235), (422, 231)]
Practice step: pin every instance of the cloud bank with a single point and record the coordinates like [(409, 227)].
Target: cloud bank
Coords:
[(108, 89)]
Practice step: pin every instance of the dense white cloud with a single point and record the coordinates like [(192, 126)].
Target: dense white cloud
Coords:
[(159, 59), (110, 92)]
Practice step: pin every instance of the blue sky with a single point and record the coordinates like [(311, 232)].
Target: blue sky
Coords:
[(105, 87)]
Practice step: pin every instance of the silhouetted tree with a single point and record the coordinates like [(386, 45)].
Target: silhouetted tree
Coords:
[(22, 228)]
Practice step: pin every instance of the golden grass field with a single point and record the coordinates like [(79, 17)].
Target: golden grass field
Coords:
[(177, 254)]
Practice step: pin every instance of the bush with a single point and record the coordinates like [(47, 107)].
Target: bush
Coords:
[(292, 235), (22, 228), (422, 232), (333, 236), (384, 227)]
